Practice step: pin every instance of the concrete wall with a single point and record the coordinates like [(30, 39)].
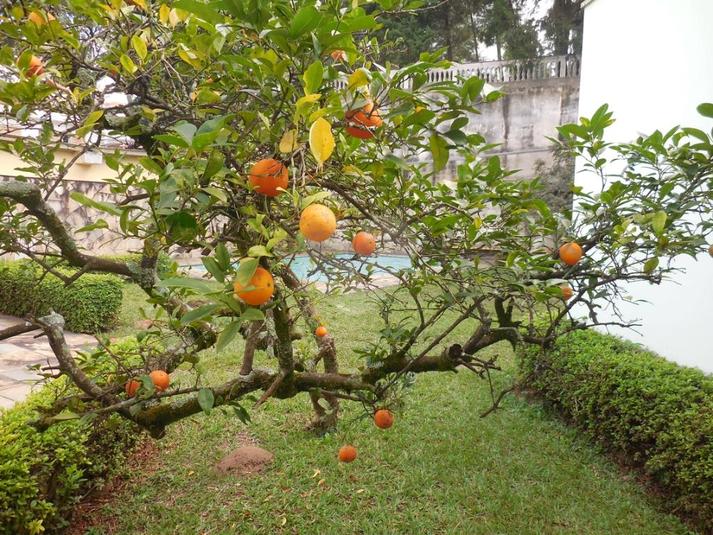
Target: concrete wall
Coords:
[(87, 177), (650, 60), (521, 122)]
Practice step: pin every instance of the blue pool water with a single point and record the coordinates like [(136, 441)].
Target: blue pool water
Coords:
[(304, 267)]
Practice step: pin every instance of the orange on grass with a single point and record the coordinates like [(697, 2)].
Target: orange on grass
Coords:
[(383, 418), (35, 67), (320, 331), (160, 380), (317, 222), (267, 175), (570, 253), (366, 116), (338, 55), (262, 284), (363, 243), (567, 292), (131, 387), (359, 131), (347, 453)]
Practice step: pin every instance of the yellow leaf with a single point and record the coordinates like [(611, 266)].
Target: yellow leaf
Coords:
[(358, 78), (163, 13), (321, 140), (303, 102), (173, 18), (140, 3), (289, 143)]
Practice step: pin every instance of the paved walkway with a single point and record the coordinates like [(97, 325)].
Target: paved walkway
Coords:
[(19, 352)]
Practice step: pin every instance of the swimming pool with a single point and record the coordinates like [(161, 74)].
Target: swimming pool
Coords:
[(304, 266)]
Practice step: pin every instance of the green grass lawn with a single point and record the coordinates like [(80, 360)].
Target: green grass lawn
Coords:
[(439, 469)]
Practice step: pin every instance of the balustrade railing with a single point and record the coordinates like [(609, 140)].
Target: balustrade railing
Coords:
[(498, 72)]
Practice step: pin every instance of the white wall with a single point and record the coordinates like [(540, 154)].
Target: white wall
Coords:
[(652, 62)]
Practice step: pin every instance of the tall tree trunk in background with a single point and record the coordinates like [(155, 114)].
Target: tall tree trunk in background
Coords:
[(474, 30), (447, 29), (498, 48)]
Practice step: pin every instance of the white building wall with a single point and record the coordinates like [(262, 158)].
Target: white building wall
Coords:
[(652, 62)]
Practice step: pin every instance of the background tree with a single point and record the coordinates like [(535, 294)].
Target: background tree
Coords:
[(563, 27), (266, 131), (461, 27)]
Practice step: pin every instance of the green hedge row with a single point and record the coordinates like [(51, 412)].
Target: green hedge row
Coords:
[(655, 414), (90, 304), (44, 474)]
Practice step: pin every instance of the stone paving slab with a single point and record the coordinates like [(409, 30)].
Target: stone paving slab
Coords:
[(20, 352)]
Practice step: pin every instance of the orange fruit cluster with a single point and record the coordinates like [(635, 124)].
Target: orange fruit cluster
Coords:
[(159, 378), (362, 122)]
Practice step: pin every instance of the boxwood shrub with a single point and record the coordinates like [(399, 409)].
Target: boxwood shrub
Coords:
[(90, 304), (649, 412), (44, 474)]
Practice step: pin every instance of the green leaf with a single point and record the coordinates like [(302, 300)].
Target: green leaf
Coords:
[(222, 256), (241, 413), (651, 264), (99, 205), (203, 11), (305, 20), (186, 131), (198, 313), (315, 197), (206, 399), (252, 314), (246, 271), (140, 46), (182, 226), (128, 64), (705, 109), (313, 77), (227, 335), (213, 268), (186, 282), (258, 251), (99, 223), (439, 149), (658, 222)]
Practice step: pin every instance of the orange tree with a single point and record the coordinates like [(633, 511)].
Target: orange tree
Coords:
[(265, 123)]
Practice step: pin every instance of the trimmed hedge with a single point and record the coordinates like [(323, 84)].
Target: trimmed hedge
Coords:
[(90, 304), (44, 474), (654, 413)]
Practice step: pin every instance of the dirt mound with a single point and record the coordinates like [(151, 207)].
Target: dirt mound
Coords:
[(245, 460)]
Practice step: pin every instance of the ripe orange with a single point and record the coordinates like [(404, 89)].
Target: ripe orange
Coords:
[(320, 331), (383, 419), (267, 175), (131, 387), (567, 292), (363, 243), (347, 453), (570, 253), (36, 67), (338, 55), (366, 116), (317, 222), (359, 131), (160, 380), (263, 286)]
